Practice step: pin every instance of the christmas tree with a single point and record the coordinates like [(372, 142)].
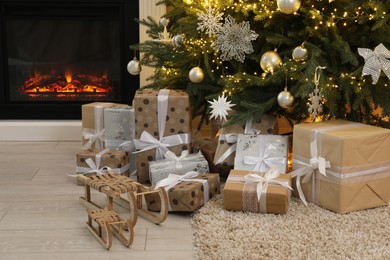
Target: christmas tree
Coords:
[(301, 59)]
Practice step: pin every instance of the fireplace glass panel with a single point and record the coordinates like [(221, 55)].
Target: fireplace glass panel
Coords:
[(63, 54)]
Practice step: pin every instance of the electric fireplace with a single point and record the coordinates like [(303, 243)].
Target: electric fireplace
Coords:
[(58, 55)]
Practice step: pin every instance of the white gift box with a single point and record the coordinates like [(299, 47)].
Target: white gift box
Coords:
[(179, 165), (260, 153)]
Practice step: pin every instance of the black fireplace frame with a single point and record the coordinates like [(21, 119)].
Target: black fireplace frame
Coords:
[(129, 10)]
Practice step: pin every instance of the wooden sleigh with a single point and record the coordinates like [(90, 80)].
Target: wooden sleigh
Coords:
[(115, 186)]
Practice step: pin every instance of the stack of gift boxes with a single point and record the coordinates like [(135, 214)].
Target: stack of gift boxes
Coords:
[(339, 165)]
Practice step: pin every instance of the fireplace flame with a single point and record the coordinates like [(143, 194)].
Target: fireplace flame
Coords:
[(68, 76)]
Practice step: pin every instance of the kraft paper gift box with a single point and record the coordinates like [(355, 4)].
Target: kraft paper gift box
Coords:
[(92, 116), (179, 165), (227, 141), (98, 161), (260, 153), (342, 166), (186, 193), (163, 122), (241, 192)]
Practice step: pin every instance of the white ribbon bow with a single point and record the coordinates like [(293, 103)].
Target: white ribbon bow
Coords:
[(376, 61), (173, 157), (94, 166), (266, 158), (269, 177)]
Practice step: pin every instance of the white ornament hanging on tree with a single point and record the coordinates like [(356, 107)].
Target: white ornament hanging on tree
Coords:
[(220, 107), (177, 40), (164, 37), (134, 66), (376, 61), (300, 53), (196, 75), (210, 21), (316, 97), (288, 6), (234, 40), (285, 98)]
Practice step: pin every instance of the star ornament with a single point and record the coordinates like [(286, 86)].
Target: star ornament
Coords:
[(220, 107), (376, 61)]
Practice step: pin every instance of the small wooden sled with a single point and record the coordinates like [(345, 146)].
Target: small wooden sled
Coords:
[(114, 185), (109, 223)]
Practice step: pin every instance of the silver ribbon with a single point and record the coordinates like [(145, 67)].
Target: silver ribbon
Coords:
[(174, 179), (148, 141), (95, 135), (178, 159), (375, 62), (232, 138)]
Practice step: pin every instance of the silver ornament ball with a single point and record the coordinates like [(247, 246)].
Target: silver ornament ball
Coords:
[(134, 67), (285, 99), (164, 21), (177, 40), (299, 53), (289, 6), (196, 75), (270, 61)]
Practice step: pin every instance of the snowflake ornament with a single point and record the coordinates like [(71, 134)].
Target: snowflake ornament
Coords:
[(210, 21), (220, 107), (376, 61), (234, 40), (315, 97)]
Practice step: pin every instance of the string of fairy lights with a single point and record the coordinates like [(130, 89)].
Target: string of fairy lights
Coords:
[(323, 17)]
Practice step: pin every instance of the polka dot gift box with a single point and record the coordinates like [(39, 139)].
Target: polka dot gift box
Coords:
[(162, 123), (186, 193)]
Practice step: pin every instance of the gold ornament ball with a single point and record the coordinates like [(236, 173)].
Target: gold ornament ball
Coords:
[(289, 6), (270, 61), (299, 53), (285, 99), (134, 67), (196, 75)]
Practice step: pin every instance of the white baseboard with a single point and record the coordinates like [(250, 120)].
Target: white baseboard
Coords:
[(40, 130)]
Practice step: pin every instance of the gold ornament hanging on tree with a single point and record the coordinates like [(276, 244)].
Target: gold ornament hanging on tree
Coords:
[(270, 61), (289, 6)]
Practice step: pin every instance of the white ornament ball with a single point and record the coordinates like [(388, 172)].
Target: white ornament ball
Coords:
[(270, 61), (177, 40), (196, 75), (285, 99), (164, 21), (299, 53), (134, 67), (289, 6)]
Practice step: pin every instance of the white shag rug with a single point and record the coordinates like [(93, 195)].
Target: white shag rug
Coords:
[(303, 233)]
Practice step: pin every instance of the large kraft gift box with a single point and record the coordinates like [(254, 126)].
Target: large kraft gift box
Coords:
[(169, 110), (241, 196), (92, 116), (359, 173), (116, 160), (188, 195), (227, 141)]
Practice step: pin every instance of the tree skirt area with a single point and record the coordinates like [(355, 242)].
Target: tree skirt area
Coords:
[(303, 233)]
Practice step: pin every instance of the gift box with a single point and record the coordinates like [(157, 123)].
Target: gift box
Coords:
[(163, 122), (227, 141), (92, 116), (342, 166), (260, 153), (119, 128), (179, 165), (259, 193), (186, 193), (98, 161)]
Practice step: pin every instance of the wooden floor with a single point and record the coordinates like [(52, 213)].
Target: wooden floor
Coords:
[(41, 218)]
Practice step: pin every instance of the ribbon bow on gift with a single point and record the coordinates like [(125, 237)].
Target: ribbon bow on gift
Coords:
[(148, 141), (265, 161), (232, 138), (376, 61), (94, 167), (173, 157), (270, 177)]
